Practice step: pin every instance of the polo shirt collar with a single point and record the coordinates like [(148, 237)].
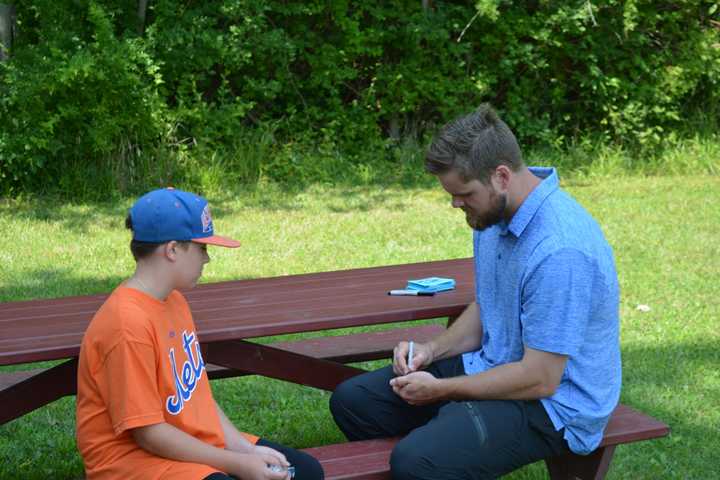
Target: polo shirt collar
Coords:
[(532, 203)]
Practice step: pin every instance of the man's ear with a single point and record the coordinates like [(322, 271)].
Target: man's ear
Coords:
[(500, 179)]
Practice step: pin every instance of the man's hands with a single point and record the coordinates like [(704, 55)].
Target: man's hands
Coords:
[(418, 388), (412, 385), (422, 357)]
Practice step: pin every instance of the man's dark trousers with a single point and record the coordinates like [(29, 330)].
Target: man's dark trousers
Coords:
[(449, 440)]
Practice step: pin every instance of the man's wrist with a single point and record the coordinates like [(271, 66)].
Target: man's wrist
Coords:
[(441, 390), (447, 389), (433, 351)]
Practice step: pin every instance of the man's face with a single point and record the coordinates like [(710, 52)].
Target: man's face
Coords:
[(483, 205)]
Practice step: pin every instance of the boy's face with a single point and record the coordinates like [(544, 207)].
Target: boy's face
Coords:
[(190, 263)]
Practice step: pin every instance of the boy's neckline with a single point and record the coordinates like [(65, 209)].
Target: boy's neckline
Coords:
[(136, 283), (138, 292)]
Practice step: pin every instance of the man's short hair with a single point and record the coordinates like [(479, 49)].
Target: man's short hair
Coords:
[(474, 145)]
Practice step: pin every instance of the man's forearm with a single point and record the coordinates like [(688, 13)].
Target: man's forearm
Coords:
[(464, 335), (537, 375), (505, 382)]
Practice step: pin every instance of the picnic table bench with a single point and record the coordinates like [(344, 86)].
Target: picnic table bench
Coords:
[(229, 314)]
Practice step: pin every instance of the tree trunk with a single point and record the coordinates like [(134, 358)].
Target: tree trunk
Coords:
[(7, 30), (395, 129), (142, 15)]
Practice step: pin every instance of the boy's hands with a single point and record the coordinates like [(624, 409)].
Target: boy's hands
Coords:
[(254, 466), (422, 357), (165, 440), (280, 458)]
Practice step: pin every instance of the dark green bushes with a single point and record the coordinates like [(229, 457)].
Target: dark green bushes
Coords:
[(321, 89)]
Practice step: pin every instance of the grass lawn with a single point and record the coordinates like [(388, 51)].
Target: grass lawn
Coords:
[(666, 236)]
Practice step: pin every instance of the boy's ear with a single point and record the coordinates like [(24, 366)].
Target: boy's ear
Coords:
[(170, 250)]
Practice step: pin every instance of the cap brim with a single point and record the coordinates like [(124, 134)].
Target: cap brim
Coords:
[(218, 240)]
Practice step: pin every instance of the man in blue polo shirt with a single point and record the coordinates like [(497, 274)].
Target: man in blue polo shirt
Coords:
[(532, 368)]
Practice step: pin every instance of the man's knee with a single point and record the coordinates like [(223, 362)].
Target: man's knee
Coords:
[(343, 399), (402, 462), (360, 395), (348, 405), (366, 407)]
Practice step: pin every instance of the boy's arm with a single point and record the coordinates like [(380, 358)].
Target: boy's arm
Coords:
[(236, 441), (167, 441)]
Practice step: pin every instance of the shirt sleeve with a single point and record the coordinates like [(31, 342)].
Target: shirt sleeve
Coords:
[(557, 302), (128, 386)]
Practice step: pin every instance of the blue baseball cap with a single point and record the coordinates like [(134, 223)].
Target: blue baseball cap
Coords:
[(168, 214)]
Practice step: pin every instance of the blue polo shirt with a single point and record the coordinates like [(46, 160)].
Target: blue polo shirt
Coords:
[(547, 281)]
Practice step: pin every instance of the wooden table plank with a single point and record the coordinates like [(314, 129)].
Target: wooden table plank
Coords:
[(40, 330), (629, 425), (18, 389)]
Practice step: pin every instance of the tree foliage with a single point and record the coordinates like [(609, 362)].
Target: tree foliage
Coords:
[(82, 88)]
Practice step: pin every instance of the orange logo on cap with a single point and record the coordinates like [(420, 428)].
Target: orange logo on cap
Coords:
[(206, 219)]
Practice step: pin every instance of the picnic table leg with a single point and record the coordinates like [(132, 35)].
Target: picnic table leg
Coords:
[(281, 364), (38, 390), (582, 467)]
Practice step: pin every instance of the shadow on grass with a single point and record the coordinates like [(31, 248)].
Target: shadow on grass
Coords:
[(76, 216), (665, 366), (333, 198), (55, 283), (658, 380), (344, 195), (81, 216)]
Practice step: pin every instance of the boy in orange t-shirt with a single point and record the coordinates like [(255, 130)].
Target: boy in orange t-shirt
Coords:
[(144, 405)]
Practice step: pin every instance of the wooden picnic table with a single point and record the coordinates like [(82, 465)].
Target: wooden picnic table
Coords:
[(226, 315)]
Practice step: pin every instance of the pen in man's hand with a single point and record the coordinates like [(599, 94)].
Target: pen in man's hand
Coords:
[(410, 354)]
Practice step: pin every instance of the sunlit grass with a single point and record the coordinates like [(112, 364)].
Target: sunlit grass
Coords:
[(665, 232)]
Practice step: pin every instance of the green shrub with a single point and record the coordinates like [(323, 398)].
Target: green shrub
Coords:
[(334, 88), (76, 98)]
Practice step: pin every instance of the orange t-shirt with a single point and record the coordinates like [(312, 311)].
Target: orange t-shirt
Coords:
[(140, 364)]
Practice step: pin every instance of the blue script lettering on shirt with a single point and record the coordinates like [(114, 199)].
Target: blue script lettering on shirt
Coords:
[(191, 372)]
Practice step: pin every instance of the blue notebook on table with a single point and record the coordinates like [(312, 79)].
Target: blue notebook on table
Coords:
[(431, 284)]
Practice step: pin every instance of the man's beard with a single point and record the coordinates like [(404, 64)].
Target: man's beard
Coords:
[(492, 217)]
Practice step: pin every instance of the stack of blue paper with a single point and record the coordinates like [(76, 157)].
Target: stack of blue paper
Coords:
[(431, 284)]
